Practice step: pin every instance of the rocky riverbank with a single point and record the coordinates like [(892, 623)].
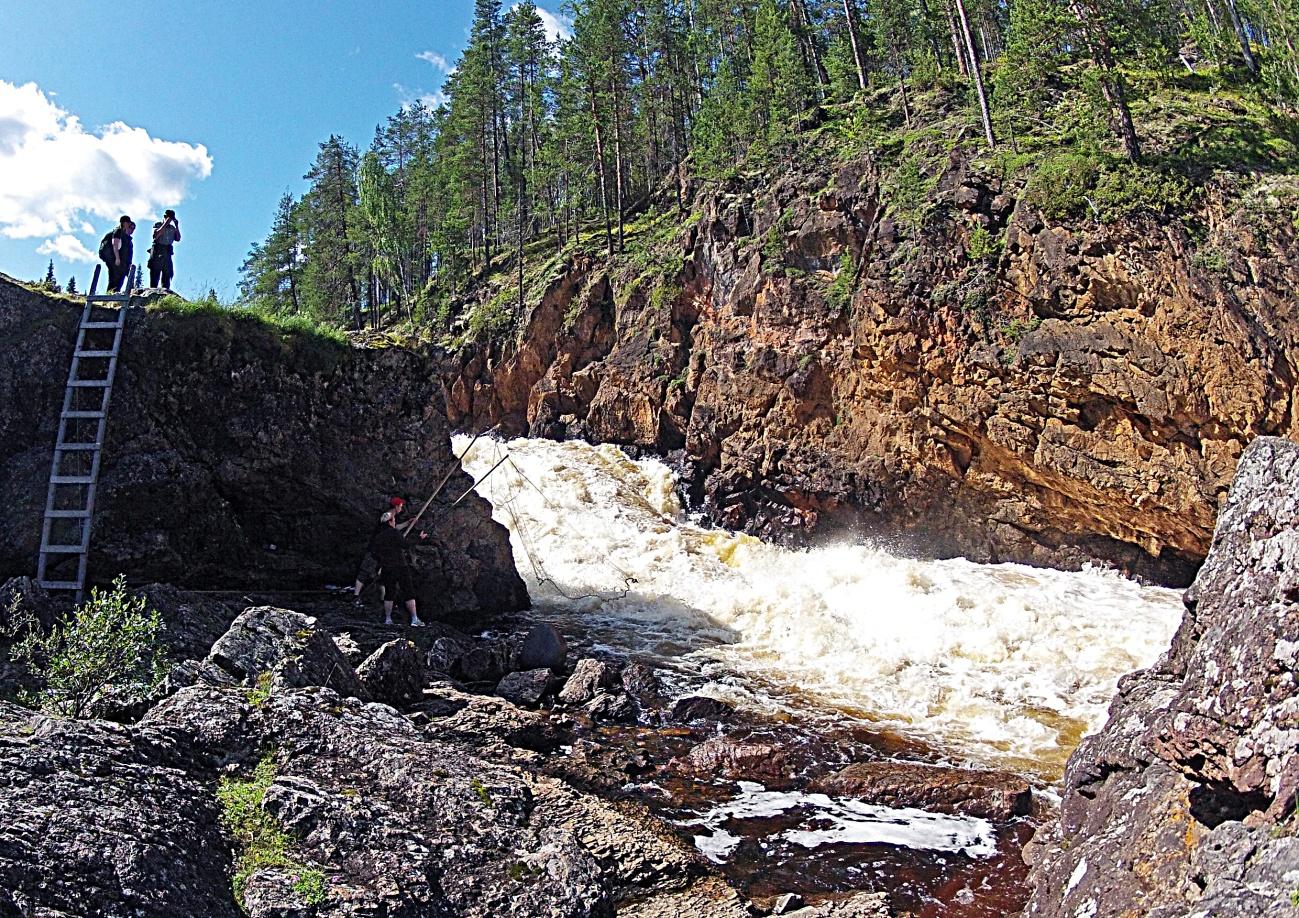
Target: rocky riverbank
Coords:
[(976, 379), (423, 774)]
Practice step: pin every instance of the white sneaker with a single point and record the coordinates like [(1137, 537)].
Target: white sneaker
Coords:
[(416, 623)]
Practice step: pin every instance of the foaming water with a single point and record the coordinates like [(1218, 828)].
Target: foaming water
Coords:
[(997, 664)]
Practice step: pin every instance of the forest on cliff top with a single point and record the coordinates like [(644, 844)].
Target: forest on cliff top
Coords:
[(1096, 109)]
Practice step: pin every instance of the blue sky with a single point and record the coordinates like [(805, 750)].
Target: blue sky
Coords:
[(216, 110)]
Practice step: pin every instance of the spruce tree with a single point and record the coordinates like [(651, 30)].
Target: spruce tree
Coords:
[(72, 285)]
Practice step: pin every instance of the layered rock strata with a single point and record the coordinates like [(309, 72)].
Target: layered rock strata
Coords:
[(991, 384)]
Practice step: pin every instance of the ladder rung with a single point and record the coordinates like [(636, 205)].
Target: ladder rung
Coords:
[(67, 514), (90, 325), (95, 354), (62, 549), (58, 584), (88, 383), (76, 447), (72, 479), (82, 414)]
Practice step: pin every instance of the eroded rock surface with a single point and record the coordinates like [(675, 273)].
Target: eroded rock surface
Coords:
[(1078, 392), (241, 457), (1183, 804)]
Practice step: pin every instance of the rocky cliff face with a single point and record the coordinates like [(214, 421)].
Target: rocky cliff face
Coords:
[(1185, 802), (989, 385), (240, 456)]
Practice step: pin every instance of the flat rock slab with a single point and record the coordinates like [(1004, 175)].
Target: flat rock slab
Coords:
[(986, 794)]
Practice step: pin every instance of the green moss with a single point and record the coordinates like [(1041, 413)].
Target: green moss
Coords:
[(260, 693), (260, 843), (480, 790)]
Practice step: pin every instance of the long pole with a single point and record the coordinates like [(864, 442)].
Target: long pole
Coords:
[(441, 484)]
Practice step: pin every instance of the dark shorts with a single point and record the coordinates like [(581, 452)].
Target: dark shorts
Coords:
[(397, 583)]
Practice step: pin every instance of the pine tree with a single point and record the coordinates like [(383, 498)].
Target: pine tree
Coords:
[(49, 283), (72, 285), (327, 221)]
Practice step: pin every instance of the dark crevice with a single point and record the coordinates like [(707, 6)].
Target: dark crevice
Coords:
[(1217, 802)]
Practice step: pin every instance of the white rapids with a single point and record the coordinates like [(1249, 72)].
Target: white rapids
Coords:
[(999, 664)]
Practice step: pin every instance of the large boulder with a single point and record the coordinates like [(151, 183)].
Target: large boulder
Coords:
[(242, 456), (393, 674), (285, 647), (1187, 795), (528, 688), (545, 647), (589, 678), (97, 819)]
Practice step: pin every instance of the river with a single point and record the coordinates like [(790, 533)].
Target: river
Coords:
[(995, 665)]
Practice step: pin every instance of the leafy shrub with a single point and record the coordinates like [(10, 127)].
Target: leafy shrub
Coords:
[(112, 641), (983, 245), (1061, 183), (1073, 184), (911, 192)]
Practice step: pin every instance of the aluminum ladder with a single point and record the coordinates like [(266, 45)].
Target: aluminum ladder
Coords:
[(74, 471)]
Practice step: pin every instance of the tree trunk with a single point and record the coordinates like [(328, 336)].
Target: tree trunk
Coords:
[(976, 73), (618, 164), (956, 40), (856, 50), (599, 168), (933, 39), (812, 57), (1111, 80), (1242, 36)]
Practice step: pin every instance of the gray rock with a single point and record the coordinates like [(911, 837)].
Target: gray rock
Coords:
[(543, 647), (483, 662), (288, 647), (642, 684), (1171, 809), (393, 674), (611, 708), (526, 689), (589, 677), (99, 819)]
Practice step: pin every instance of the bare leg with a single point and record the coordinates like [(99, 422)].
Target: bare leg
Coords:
[(414, 616), (387, 611)]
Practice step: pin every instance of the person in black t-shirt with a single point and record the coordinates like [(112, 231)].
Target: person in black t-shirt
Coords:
[(369, 567), (389, 549)]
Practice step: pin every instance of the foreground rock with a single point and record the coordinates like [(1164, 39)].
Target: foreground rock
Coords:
[(241, 456), (447, 812), (1183, 803), (988, 795)]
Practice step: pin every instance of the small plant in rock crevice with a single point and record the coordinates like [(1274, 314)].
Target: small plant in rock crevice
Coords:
[(260, 843)]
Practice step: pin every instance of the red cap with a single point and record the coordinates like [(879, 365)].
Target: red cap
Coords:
[(396, 502)]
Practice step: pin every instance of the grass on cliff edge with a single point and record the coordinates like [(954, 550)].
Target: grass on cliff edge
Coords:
[(285, 325), (260, 843)]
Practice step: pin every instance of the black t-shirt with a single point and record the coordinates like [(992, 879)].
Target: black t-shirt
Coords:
[(127, 250), (388, 547)]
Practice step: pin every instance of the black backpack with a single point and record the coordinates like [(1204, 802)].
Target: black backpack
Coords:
[(106, 247)]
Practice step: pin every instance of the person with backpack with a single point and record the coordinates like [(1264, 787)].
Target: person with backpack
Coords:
[(165, 235), (116, 251)]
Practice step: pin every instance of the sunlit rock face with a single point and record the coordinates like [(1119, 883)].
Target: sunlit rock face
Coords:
[(1082, 392)]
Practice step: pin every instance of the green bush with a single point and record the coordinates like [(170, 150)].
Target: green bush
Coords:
[(1060, 186), (112, 641), (911, 192), (839, 293), (983, 245)]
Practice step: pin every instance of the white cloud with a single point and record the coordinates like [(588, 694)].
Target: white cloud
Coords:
[(558, 28), (56, 177), (437, 60), (67, 247), (429, 100)]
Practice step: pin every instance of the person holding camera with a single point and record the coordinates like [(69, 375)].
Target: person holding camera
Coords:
[(165, 235)]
